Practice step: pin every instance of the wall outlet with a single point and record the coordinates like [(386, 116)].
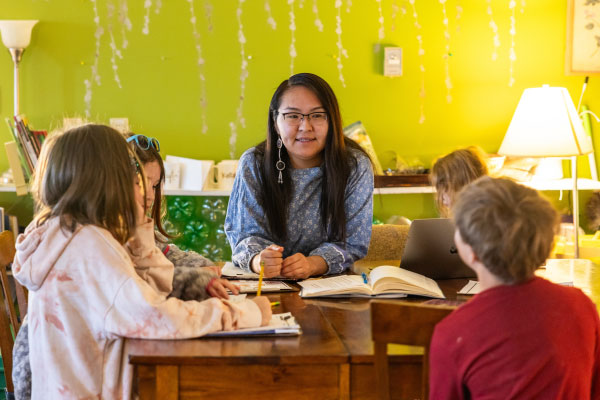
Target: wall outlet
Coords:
[(392, 61), (120, 124)]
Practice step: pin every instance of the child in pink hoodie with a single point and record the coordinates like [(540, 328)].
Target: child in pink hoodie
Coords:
[(85, 296)]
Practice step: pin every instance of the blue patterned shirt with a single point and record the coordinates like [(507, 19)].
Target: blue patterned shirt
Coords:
[(246, 222)]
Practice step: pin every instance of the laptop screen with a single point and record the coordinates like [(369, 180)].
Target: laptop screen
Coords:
[(430, 250)]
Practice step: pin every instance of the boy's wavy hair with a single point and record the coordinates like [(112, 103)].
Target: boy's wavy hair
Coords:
[(510, 227), (85, 176)]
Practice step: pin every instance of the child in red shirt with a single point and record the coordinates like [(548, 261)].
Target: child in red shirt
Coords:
[(522, 337)]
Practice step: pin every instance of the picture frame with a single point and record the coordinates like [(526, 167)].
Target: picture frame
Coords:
[(583, 37)]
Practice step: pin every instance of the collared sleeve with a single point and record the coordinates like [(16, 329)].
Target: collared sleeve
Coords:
[(359, 219), (246, 223)]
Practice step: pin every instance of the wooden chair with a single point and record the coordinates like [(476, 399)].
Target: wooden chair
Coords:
[(387, 242), (402, 323), (10, 320)]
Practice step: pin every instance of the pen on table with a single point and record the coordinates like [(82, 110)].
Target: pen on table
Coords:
[(260, 277), (365, 278), (275, 303)]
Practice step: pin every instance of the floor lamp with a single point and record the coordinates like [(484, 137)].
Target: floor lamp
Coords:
[(546, 124), (16, 35)]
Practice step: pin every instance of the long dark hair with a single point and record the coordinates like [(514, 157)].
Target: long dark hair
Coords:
[(158, 211), (337, 164)]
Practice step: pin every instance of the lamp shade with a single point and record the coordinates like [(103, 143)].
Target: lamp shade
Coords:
[(16, 34), (545, 124)]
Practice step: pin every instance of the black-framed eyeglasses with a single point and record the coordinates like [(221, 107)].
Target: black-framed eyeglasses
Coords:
[(144, 142), (296, 118)]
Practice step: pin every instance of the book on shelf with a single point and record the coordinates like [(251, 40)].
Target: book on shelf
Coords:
[(16, 167), (29, 143), (23, 160), (383, 281), (31, 150), (280, 325)]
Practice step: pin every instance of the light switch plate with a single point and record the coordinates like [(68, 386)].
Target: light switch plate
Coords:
[(392, 61)]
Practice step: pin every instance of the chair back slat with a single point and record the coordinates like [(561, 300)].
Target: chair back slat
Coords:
[(403, 323), (9, 317)]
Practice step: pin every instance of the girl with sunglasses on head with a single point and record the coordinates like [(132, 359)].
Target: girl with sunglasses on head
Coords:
[(79, 259), (195, 277), (302, 201)]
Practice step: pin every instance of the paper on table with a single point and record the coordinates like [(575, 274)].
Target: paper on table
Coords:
[(281, 324), (230, 271), (470, 288), (247, 286)]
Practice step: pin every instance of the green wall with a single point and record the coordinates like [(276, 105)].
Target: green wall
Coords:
[(161, 88)]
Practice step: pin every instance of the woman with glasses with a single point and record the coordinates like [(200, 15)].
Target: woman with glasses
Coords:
[(302, 201)]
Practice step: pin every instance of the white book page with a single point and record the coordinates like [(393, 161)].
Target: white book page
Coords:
[(247, 286), (408, 277), (229, 270), (335, 285), (470, 288)]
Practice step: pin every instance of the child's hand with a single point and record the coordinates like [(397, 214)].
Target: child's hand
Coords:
[(272, 257), (218, 288), (265, 309)]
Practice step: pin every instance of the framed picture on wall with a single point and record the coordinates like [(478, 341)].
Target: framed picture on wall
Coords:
[(583, 37)]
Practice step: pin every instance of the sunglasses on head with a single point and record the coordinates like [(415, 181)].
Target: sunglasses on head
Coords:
[(144, 142)]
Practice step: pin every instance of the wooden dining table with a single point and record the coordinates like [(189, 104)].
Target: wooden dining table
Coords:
[(331, 359)]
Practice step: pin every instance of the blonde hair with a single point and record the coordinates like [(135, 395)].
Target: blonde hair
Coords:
[(84, 176), (450, 173), (510, 227)]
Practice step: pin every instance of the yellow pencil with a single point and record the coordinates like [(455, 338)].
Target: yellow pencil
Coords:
[(260, 277)]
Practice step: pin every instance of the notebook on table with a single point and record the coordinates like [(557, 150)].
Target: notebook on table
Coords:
[(230, 271), (281, 325), (430, 250)]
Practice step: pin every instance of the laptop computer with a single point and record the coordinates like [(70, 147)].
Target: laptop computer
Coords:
[(430, 250)]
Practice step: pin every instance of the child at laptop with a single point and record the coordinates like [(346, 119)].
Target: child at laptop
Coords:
[(522, 337), (453, 171)]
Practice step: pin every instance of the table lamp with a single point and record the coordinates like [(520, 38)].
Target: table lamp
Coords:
[(16, 35), (546, 124)]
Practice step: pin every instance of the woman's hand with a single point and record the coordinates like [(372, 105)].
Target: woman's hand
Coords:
[(272, 258), (218, 288), (298, 266), (265, 309)]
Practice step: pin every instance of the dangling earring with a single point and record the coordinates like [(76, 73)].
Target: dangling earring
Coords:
[(280, 165)]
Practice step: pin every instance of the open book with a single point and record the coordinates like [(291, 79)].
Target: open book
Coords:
[(281, 324), (384, 281)]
